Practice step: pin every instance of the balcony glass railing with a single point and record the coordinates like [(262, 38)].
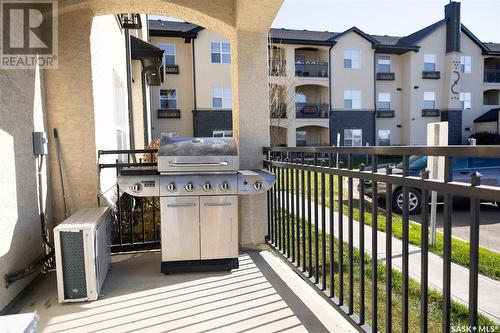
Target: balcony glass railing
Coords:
[(311, 110), (492, 75), (311, 69)]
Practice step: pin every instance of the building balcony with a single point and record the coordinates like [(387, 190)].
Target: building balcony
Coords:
[(169, 113), (172, 69), (434, 75), (311, 69), (431, 113), (277, 67), (385, 113), (386, 76), (311, 110), (492, 75)]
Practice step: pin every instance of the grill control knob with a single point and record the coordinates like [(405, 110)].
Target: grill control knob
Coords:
[(207, 187), (258, 186), (137, 187), (225, 186), (189, 187), (171, 187)]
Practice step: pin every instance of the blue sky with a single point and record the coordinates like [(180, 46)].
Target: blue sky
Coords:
[(387, 17)]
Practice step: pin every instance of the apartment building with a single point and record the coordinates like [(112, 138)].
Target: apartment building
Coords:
[(195, 98), (351, 87)]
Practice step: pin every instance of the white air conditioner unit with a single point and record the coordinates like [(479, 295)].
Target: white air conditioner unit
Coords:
[(82, 244)]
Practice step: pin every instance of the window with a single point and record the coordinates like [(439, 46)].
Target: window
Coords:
[(300, 138), (429, 62), (384, 64), (384, 101), (352, 99), (353, 137), (352, 58), (466, 64), (168, 99), (300, 98), (465, 102), (168, 54), (384, 137), (429, 100), (222, 134), (221, 53), (121, 125), (221, 98)]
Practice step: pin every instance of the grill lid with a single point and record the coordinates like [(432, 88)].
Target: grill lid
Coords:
[(184, 146), (184, 154)]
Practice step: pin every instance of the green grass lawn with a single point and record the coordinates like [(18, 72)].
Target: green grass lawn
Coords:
[(459, 312), (489, 261)]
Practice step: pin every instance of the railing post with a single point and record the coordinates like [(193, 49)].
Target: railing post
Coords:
[(447, 220), (362, 246), (424, 262), (350, 239), (406, 237), (341, 236), (388, 253), (374, 246), (474, 252)]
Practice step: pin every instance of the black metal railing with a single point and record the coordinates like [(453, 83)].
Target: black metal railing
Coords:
[(311, 110), (310, 183), (318, 69), (172, 69), (385, 76), (385, 113), (169, 113), (435, 75), (431, 112), (136, 225), (492, 75)]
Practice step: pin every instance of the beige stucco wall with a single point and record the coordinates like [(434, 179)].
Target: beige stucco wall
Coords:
[(472, 83), (434, 44), (182, 83), (392, 87), (209, 75), (108, 64), (352, 79), (22, 112), (137, 105)]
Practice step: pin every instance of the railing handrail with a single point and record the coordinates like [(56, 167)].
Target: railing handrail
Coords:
[(491, 151), (127, 151)]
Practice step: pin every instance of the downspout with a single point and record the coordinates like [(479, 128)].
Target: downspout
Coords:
[(194, 75), (194, 87), (374, 99), (330, 92), (128, 63), (144, 107)]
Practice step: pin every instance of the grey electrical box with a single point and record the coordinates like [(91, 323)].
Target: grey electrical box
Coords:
[(40, 143)]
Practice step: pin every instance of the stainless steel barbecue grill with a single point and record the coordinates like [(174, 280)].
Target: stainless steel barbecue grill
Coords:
[(198, 181)]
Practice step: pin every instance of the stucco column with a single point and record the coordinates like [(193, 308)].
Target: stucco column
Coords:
[(70, 110), (251, 125)]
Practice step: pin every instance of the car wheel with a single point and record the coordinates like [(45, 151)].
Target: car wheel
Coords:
[(415, 203)]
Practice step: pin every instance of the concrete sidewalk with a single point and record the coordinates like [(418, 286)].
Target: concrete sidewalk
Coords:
[(489, 289)]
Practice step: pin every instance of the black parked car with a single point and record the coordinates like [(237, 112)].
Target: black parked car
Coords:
[(489, 168)]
